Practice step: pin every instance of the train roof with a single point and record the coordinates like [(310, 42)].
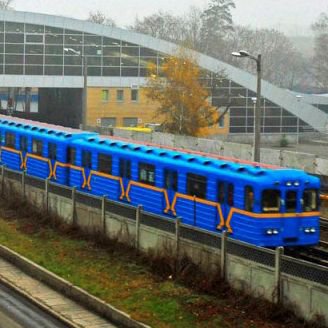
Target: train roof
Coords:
[(249, 171), (42, 129)]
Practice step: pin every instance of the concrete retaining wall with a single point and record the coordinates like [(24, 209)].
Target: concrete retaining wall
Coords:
[(308, 297), (304, 161)]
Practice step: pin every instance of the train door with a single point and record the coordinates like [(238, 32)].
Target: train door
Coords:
[(171, 183), (52, 154), (291, 225), (86, 162), (225, 197), (23, 144), (125, 171)]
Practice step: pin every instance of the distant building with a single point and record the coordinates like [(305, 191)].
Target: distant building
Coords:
[(42, 77)]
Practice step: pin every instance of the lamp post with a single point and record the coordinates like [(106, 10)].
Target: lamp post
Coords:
[(257, 132), (85, 85)]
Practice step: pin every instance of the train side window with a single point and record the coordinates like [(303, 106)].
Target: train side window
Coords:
[(147, 173), (37, 147), (249, 198), (10, 140), (71, 155), (196, 185), (52, 151), (291, 201), (86, 159), (105, 163), (125, 168), (310, 200), (271, 201), (23, 142), (171, 180), (230, 199)]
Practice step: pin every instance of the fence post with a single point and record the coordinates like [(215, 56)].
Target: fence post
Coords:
[(46, 191), (138, 217), (103, 214), (23, 184), (177, 237), (2, 179), (223, 254), (277, 274), (73, 206)]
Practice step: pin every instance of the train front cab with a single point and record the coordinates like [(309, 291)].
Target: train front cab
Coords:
[(282, 215)]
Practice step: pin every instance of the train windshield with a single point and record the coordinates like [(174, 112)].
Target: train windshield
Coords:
[(271, 201), (310, 200)]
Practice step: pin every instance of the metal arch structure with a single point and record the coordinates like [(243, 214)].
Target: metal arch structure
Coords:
[(305, 111)]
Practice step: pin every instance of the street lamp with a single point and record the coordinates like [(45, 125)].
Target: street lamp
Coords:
[(257, 132), (85, 85)]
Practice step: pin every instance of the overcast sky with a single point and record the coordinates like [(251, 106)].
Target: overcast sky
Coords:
[(293, 16)]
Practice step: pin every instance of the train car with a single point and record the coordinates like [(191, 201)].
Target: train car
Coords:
[(39, 149), (260, 205)]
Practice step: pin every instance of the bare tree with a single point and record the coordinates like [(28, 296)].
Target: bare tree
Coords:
[(100, 18), (320, 60), (6, 4), (283, 65)]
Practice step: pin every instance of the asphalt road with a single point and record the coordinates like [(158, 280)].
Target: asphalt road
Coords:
[(18, 312)]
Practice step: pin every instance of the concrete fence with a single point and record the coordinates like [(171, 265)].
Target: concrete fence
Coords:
[(261, 272), (308, 162)]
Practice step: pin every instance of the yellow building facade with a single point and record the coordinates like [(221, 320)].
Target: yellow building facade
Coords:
[(129, 107)]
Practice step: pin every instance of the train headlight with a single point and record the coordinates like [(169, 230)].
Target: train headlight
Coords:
[(269, 232), (313, 230), (296, 184), (288, 184), (275, 231), (310, 230), (307, 230)]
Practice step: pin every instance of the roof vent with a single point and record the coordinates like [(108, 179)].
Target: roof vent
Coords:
[(42, 130), (207, 163), (27, 127), (51, 132), (68, 135), (163, 153), (11, 123), (113, 144), (224, 166), (91, 139), (177, 156), (34, 128), (136, 148), (59, 134), (101, 142), (149, 151), (241, 169), (124, 146), (18, 125)]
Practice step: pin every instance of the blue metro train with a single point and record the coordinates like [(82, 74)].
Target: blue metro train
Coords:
[(257, 204)]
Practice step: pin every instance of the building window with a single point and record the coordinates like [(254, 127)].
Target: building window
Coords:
[(134, 95), (86, 159), (105, 95), (108, 122), (120, 95), (71, 155), (10, 140), (221, 121), (37, 147), (196, 185), (105, 163), (130, 121), (147, 173), (23, 144), (52, 151)]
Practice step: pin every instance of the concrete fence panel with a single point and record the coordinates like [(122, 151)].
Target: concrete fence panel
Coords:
[(321, 166), (270, 156), (165, 139), (241, 151), (301, 161)]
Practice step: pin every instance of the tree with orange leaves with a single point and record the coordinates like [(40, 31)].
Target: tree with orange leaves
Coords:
[(183, 101)]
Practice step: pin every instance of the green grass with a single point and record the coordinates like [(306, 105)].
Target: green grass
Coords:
[(117, 277)]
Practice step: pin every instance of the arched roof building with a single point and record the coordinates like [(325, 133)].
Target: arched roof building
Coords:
[(42, 51)]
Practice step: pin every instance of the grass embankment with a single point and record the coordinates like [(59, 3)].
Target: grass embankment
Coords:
[(145, 287)]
